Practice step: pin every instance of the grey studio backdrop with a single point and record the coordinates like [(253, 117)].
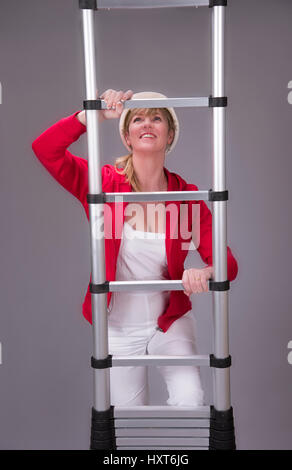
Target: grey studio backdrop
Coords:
[(46, 382)]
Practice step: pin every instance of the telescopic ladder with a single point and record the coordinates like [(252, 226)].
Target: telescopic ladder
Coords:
[(159, 427)]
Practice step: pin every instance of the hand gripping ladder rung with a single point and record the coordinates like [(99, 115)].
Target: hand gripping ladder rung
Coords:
[(164, 427)]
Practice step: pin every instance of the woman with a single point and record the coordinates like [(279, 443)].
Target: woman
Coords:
[(141, 323)]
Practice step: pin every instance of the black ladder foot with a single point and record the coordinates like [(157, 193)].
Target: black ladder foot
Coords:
[(102, 430), (222, 435)]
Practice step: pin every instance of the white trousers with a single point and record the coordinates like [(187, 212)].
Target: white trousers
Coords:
[(131, 333)]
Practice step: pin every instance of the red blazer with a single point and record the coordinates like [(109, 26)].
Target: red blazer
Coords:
[(72, 173)]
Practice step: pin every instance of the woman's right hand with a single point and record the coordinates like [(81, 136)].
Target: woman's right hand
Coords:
[(115, 105)]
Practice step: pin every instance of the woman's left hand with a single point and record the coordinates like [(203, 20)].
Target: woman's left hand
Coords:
[(195, 280)]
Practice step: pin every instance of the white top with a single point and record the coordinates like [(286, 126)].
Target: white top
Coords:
[(142, 256)]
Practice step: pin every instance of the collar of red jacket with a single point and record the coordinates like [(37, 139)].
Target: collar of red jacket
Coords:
[(174, 181)]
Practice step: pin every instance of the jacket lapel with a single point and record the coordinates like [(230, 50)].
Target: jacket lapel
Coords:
[(172, 211)]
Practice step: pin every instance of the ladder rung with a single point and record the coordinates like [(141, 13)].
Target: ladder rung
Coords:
[(158, 196), (201, 441), (202, 102), (195, 102), (143, 4), (151, 285), (162, 422), (149, 360), (162, 432), (145, 286), (162, 411)]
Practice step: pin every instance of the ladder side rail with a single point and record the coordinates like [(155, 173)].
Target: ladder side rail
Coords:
[(221, 377), (99, 302)]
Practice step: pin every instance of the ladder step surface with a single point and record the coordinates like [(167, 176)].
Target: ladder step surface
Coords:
[(184, 441), (162, 432), (165, 411), (143, 4), (163, 422)]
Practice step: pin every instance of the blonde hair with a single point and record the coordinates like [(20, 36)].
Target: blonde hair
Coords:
[(126, 161)]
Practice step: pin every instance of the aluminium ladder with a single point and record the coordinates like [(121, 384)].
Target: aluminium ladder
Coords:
[(164, 427)]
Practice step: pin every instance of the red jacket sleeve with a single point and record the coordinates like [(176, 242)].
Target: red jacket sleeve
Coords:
[(205, 242), (51, 150)]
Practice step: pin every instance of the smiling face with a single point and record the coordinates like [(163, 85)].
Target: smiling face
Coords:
[(149, 130)]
